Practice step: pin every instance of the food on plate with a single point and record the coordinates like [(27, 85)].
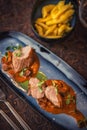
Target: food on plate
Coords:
[(22, 58), (21, 64), (55, 20), (36, 89), (55, 96)]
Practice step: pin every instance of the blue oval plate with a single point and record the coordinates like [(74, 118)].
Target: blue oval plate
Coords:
[(55, 68)]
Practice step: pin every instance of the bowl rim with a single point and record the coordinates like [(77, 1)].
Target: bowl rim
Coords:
[(53, 39)]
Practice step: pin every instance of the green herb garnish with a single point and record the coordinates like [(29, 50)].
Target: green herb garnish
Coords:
[(41, 76), (18, 54), (69, 99), (24, 85), (56, 89), (69, 96), (73, 99), (9, 48), (6, 55), (22, 72), (14, 47), (40, 89), (18, 47), (40, 85)]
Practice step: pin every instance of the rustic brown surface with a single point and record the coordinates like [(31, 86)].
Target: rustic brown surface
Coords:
[(15, 15)]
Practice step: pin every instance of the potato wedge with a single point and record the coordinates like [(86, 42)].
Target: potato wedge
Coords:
[(55, 20), (39, 29), (46, 10)]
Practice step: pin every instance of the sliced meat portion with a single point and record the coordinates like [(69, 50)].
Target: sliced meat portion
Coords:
[(22, 58), (34, 90), (55, 98)]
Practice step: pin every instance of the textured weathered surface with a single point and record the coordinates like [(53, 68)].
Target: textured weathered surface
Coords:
[(15, 15)]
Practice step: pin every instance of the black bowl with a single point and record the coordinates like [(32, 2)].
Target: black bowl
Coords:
[(36, 13)]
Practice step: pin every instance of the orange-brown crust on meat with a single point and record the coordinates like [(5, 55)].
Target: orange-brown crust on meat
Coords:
[(34, 67), (48, 106)]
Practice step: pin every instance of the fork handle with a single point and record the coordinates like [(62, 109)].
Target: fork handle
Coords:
[(17, 116), (14, 126)]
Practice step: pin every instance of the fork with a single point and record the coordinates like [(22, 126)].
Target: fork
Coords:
[(13, 125), (17, 116)]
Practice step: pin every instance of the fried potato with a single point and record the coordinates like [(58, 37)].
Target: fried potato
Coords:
[(50, 30), (39, 29), (43, 25), (53, 36), (61, 4), (43, 19), (63, 29), (67, 15), (46, 10), (57, 7), (61, 11), (55, 32), (63, 18), (55, 20)]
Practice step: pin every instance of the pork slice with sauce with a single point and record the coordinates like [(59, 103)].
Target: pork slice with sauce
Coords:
[(53, 96), (22, 58), (34, 90)]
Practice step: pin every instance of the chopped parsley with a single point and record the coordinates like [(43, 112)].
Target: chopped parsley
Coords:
[(18, 54), (69, 99), (18, 47), (24, 84), (9, 48), (22, 72), (40, 85), (41, 76), (6, 54)]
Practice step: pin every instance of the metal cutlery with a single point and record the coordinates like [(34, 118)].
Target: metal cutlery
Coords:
[(13, 125), (17, 116)]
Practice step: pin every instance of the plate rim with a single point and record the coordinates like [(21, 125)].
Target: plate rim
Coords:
[(19, 36), (75, 77)]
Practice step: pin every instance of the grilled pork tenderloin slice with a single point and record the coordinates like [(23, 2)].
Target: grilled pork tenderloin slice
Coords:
[(52, 95), (35, 90), (22, 58)]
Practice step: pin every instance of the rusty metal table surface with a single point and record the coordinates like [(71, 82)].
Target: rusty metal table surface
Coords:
[(15, 15)]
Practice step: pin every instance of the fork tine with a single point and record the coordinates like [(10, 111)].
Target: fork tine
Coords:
[(2, 95), (13, 125), (17, 116)]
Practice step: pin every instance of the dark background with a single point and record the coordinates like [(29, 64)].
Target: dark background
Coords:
[(15, 15)]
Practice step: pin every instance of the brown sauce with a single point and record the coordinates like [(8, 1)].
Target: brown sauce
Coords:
[(67, 93), (69, 105)]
